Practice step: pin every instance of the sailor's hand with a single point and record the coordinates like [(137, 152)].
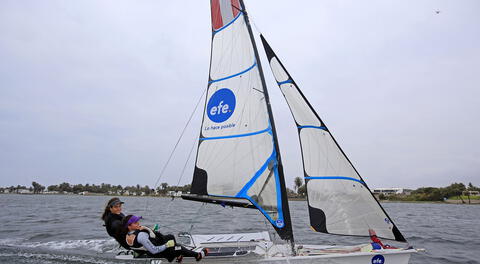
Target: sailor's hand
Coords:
[(151, 234), (170, 243)]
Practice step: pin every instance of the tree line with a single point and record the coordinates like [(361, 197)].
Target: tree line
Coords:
[(103, 188), (455, 190)]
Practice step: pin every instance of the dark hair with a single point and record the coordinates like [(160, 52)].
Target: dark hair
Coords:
[(107, 208), (123, 230)]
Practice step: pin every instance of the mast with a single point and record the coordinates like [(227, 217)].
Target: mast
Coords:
[(238, 160), (286, 209)]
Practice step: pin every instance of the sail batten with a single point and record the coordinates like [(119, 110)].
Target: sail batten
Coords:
[(333, 178), (239, 135), (235, 75), (339, 200), (316, 127)]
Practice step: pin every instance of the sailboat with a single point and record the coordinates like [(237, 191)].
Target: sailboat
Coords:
[(238, 161)]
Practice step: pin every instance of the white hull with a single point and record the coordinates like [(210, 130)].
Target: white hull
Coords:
[(258, 248), (365, 258), (380, 257)]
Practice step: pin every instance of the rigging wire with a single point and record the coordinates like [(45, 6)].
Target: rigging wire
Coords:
[(186, 162), (176, 145), (183, 172)]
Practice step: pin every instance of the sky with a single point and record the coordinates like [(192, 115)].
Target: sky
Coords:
[(99, 91)]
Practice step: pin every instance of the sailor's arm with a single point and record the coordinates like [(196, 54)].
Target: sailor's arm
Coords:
[(150, 231), (143, 239)]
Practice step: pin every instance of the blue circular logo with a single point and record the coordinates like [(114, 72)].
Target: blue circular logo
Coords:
[(378, 259), (279, 223), (221, 105)]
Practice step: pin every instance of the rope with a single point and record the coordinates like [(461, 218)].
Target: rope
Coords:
[(186, 162), (175, 147), (182, 173)]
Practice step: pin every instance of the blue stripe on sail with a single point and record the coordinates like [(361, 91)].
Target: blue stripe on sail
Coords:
[(231, 22), (284, 82), (239, 135), (335, 178), (231, 76), (279, 196), (243, 192), (269, 218), (259, 207), (317, 127)]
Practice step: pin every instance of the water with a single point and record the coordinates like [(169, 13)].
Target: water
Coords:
[(68, 229)]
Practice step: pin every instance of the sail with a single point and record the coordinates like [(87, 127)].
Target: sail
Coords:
[(339, 200), (238, 161)]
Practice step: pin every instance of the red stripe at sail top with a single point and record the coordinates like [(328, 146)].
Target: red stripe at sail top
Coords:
[(223, 12)]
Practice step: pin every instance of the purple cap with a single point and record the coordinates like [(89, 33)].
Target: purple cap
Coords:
[(133, 219)]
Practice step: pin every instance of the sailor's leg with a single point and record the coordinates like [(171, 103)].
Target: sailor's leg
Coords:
[(162, 239), (186, 253), (170, 254)]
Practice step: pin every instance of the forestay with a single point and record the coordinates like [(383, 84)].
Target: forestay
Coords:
[(339, 200), (238, 156)]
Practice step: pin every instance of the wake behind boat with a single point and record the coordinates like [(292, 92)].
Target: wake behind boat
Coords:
[(238, 162)]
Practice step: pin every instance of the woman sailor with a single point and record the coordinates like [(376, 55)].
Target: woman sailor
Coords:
[(112, 216), (156, 244)]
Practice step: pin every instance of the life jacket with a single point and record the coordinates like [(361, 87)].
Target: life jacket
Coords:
[(113, 225), (136, 245)]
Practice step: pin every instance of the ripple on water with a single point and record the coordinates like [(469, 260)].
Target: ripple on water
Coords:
[(29, 257), (448, 233)]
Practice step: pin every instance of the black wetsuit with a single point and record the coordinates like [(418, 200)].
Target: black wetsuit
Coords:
[(113, 224), (169, 253)]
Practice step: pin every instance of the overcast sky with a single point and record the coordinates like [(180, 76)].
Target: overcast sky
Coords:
[(99, 91)]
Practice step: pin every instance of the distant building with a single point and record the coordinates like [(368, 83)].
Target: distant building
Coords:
[(470, 193), (175, 193), (24, 191), (389, 191)]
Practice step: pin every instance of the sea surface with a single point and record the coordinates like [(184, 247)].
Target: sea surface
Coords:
[(68, 229)]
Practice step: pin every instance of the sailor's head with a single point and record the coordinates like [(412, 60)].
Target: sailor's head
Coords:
[(115, 205), (132, 222)]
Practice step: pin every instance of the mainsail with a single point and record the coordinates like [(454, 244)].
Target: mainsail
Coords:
[(238, 159), (339, 200)]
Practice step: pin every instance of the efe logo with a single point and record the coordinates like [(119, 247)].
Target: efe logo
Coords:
[(221, 105), (378, 259)]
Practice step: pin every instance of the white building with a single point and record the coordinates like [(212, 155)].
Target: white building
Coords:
[(388, 191), (471, 193), (175, 193)]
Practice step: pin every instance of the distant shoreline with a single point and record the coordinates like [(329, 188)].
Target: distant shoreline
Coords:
[(472, 202), (432, 202)]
